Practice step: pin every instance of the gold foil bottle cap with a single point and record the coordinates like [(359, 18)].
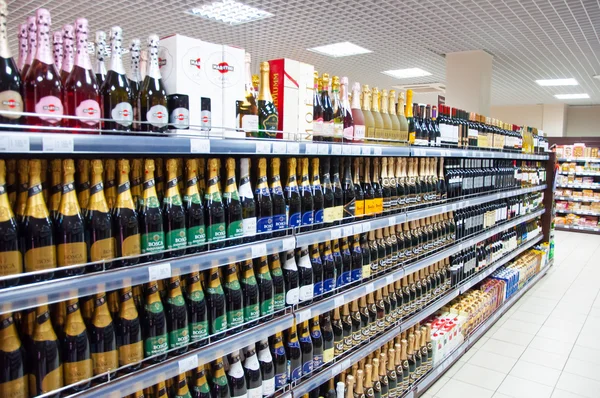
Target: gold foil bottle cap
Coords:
[(123, 165), (230, 164), (35, 166), (264, 66), (97, 166), (149, 165), (68, 167), (172, 165)]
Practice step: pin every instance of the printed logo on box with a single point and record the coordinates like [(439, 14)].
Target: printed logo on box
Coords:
[(165, 62)]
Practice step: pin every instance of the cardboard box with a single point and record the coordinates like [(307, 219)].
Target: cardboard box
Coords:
[(212, 75)]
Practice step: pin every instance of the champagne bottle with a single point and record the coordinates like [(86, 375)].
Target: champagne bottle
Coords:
[(328, 113), (37, 231), (266, 288), (305, 275), (117, 95), (264, 208), (82, 91), (292, 279), (349, 213), (339, 264), (236, 376), (247, 201), (363, 309), (391, 374), (268, 118), (252, 373), (357, 260), (151, 217), (173, 213), (233, 206), (153, 97), (278, 198), (83, 184), (46, 366), (306, 197), (317, 195), (278, 282), (194, 210), (125, 220), (215, 210), (306, 346), (68, 35), (341, 387), (77, 360), (110, 187), (250, 291), (156, 342), (31, 45), (292, 195), (197, 311), (359, 204), (129, 332), (177, 318), (346, 261), (378, 202), (402, 119), (329, 270), (11, 179), (350, 381), (23, 47), (338, 193), (356, 323), (328, 198), (219, 386), (383, 379), (366, 257), (395, 134), (181, 389), (11, 86), (317, 271), (375, 377), (201, 389), (13, 355), (137, 165), (327, 337), (317, 123), (293, 354), (103, 342), (338, 110), (247, 110), (11, 260), (215, 302), (101, 243), (368, 190), (368, 383), (317, 342), (412, 365), (135, 81), (338, 333), (267, 368), (385, 186), (234, 299), (279, 360), (347, 327), (57, 45), (100, 55)]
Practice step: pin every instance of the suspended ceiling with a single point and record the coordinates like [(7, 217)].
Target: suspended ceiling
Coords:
[(537, 39)]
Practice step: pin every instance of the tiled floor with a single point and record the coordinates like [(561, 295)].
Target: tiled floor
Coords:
[(548, 344)]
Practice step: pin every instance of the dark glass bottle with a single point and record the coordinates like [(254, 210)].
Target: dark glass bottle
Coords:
[(317, 342), (317, 195), (153, 97), (278, 282), (338, 192), (151, 218), (214, 208), (11, 86), (233, 299), (154, 325), (247, 201), (219, 385), (236, 377), (264, 202), (329, 269), (98, 220), (46, 372), (103, 341), (233, 206), (278, 198), (129, 332), (306, 346), (250, 293), (327, 336), (305, 275), (349, 193), (76, 356), (278, 353), (215, 303), (292, 196), (338, 333), (317, 271), (306, 197), (173, 213), (252, 373), (177, 318), (125, 219), (194, 210), (293, 353), (197, 311), (14, 357)]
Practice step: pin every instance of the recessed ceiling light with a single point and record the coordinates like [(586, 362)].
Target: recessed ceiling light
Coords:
[(572, 96), (337, 50), (406, 73), (229, 12), (596, 77), (557, 82)]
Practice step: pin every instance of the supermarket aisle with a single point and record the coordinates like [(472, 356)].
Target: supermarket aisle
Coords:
[(548, 343)]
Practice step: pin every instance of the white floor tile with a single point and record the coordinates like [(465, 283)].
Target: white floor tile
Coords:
[(482, 377), (490, 360), (482, 340), (583, 368), (579, 385), (538, 319), (499, 395), (587, 354), (564, 394), (510, 336), (566, 317), (544, 358), (564, 336), (520, 326), (587, 340), (550, 345), (503, 348), (521, 388), (537, 373), (455, 368), (459, 389), (536, 309), (437, 386)]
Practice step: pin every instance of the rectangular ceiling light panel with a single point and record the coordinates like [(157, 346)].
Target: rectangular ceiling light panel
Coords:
[(557, 82), (572, 96), (229, 12), (338, 50), (406, 73)]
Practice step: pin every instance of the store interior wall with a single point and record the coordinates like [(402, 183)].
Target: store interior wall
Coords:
[(583, 121), (551, 118)]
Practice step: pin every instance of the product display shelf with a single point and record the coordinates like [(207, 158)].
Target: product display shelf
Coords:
[(25, 296), (147, 377), (579, 186), (577, 228), (106, 144), (579, 212), (583, 173), (436, 373), (351, 294), (576, 199), (348, 359)]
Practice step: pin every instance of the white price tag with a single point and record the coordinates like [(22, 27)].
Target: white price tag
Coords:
[(311, 149), (279, 148), (336, 149), (366, 150), (357, 229), (288, 244), (346, 150), (356, 150), (188, 363), (336, 233), (199, 145), (346, 363), (259, 250), (304, 315), (377, 151), (366, 227), (323, 149), (391, 221), (348, 230), (293, 148), (336, 370), (445, 153), (419, 152), (444, 209), (339, 301), (58, 144), (159, 271), (369, 288), (389, 279), (263, 147), (10, 143)]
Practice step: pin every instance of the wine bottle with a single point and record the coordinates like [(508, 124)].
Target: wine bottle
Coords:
[(23, 46), (346, 262), (70, 225), (201, 389), (306, 346), (194, 210), (233, 206), (215, 211), (329, 270), (46, 366), (83, 185), (305, 275), (383, 379), (103, 343), (293, 354), (151, 217), (101, 243), (292, 195), (357, 325), (338, 193), (279, 360), (236, 377), (267, 368), (31, 45), (278, 198), (247, 110), (100, 55), (347, 327), (349, 212), (391, 374), (42, 85), (11, 260), (125, 220), (219, 386), (247, 201), (278, 282), (76, 357), (292, 279), (266, 289), (129, 332), (328, 113), (402, 119), (363, 310), (233, 299), (37, 228), (250, 291), (317, 195), (379, 129), (177, 318), (341, 387), (13, 355), (395, 134), (137, 166), (82, 91), (110, 187), (116, 92), (153, 97), (339, 264), (327, 336), (338, 333), (197, 311), (180, 387), (268, 118), (215, 303), (68, 33), (317, 271), (317, 123), (135, 81), (11, 187), (11, 85), (386, 119), (173, 213), (409, 117), (252, 373), (156, 342), (375, 377), (264, 225), (338, 110)]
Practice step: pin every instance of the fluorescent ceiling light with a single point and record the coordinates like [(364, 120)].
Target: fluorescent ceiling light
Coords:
[(337, 50), (572, 96), (406, 73), (557, 82), (229, 12)]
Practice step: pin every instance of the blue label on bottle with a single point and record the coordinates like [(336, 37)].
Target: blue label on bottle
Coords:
[(316, 334), (295, 220), (279, 351), (318, 289), (340, 281), (262, 191), (280, 380), (306, 339), (296, 373), (328, 285), (346, 277), (264, 224), (317, 361), (293, 344), (279, 222), (319, 216), (308, 218), (356, 275), (307, 367)]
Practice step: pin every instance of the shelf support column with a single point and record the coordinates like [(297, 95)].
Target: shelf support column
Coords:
[(469, 81)]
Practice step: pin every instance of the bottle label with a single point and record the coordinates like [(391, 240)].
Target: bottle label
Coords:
[(328, 129), (359, 132), (235, 229), (219, 324), (254, 392), (328, 355), (122, 114), (11, 262), (235, 318), (278, 301), (75, 372), (369, 207), (268, 387), (179, 337), (157, 116), (292, 296), (359, 208), (328, 285), (317, 127), (318, 289), (356, 274), (50, 109), (216, 232), (378, 205), (196, 235), (338, 130), (18, 388), (350, 209), (88, 109), (307, 218), (349, 133), (176, 239), (251, 312), (280, 380), (153, 242), (249, 225), (319, 216), (107, 361), (131, 353), (249, 123), (346, 277), (295, 220), (67, 253), (11, 101), (270, 124), (40, 258), (296, 373), (131, 246), (264, 224), (328, 214), (338, 213), (279, 222), (180, 118), (306, 292), (307, 367)]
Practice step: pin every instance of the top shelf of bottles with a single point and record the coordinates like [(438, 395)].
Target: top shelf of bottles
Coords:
[(21, 142)]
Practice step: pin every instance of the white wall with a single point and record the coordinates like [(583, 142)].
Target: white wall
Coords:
[(551, 118), (583, 121)]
